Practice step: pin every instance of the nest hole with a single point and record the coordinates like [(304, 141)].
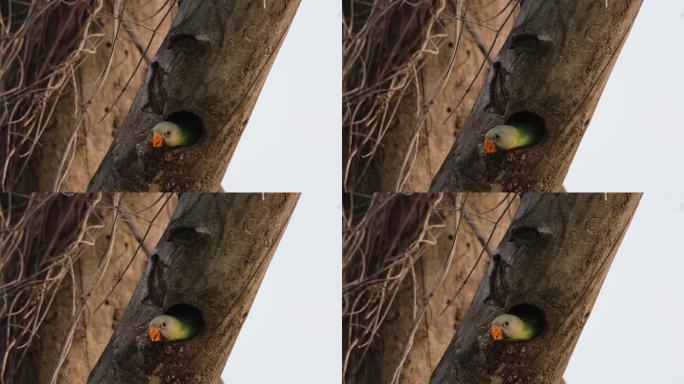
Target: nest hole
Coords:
[(183, 42), (525, 42), (183, 235), (189, 121), (188, 313), (530, 313), (525, 235), (530, 120)]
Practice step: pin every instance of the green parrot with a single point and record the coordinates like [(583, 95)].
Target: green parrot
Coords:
[(171, 328), (172, 135), (515, 328), (506, 137)]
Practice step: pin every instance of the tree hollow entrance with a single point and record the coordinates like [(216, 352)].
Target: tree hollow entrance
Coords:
[(188, 314), (530, 313)]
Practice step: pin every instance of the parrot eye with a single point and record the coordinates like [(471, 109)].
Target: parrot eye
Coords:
[(164, 324), (505, 324), (497, 136)]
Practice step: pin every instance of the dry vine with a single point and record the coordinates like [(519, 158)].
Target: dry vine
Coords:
[(385, 45), (384, 236), (42, 45), (42, 239)]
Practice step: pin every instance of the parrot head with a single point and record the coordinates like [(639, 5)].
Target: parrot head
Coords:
[(499, 137), (166, 133), (507, 327), (164, 327)]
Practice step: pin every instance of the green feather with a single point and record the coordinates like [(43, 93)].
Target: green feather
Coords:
[(520, 135), (188, 136), (189, 318), (529, 134), (176, 134), (189, 327), (187, 331), (521, 327), (177, 324), (530, 329)]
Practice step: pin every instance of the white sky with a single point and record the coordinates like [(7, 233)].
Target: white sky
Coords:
[(633, 335), (633, 141), (632, 144), (293, 143)]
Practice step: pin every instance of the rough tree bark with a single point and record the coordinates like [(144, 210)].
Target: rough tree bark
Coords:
[(212, 64), (554, 256), (436, 328), (95, 327), (462, 85), (212, 256), (554, 64)]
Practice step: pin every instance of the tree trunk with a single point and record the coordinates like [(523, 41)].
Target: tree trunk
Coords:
[(555, 257), (445, 311), (553, 66), (95, 327), (212, 256), (211, 67)]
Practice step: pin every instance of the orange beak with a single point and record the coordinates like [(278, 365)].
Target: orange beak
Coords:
[(155, 335), (489, 146), (157, 140), (497, 333)]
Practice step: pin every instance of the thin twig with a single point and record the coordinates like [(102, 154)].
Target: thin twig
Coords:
[(94, 283)]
